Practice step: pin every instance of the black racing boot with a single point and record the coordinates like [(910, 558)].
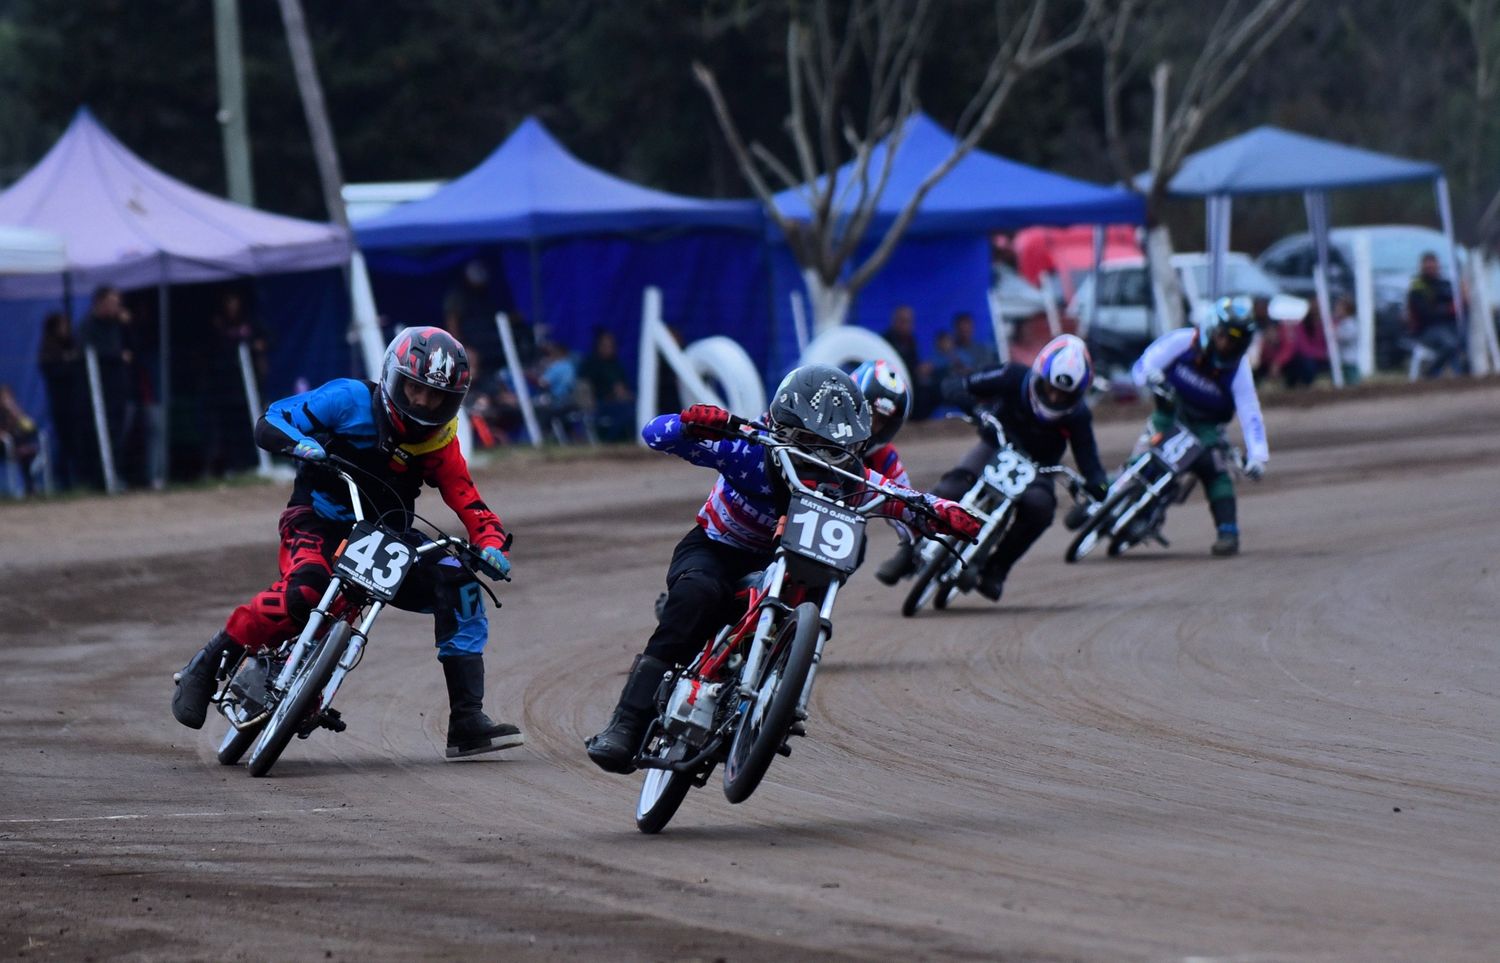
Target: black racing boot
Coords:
[(898, 566), (614, 748), (1228, 542), (991, 584), (470, 731), (1077, 515), (198, 679)]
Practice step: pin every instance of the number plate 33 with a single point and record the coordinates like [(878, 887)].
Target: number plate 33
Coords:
[(374, 560), (1010, 473), (824, 533)]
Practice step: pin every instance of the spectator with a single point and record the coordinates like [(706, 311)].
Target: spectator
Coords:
[(1346, 332), (106, 330), (19, 439), (614, 402), (67, 386), (1432, 317), (469, 315), (902, 335), (1304, 351), (968, 355), (1271, 342), (557, 383), (228, 442)]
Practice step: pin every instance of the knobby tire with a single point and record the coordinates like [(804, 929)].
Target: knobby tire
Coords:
[(751, 752), (300, 699)]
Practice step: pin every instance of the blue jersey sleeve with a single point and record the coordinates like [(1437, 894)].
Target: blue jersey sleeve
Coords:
[(732, 457), (340, 405)]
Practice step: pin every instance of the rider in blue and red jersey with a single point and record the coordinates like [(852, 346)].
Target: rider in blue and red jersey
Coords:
[(821, 408), (401, 434)]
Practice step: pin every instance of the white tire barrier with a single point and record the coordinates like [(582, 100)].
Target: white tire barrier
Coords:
[(845, 346)]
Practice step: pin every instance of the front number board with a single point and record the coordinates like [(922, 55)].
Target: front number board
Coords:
[(375, 560), (824, 533)]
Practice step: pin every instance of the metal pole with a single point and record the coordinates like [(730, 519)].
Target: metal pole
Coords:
[(101, 423), (1445, 211), (1316, 203), (1096, 278), (518, 377), (252, 403), (997, 321), (232, 120), (160, 432), (325, 151)]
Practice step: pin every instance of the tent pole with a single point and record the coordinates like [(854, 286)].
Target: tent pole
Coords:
[(159, 431), (101, 422), (1445, 212), (1316, 203), (1211, 242), (1095, 278)]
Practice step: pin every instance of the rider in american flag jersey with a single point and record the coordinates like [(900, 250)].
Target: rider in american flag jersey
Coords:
[(736, 528)]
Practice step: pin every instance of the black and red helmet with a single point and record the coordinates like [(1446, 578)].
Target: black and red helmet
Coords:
[(433, 359)]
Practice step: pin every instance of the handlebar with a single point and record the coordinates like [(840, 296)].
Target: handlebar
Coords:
[(786, 452)]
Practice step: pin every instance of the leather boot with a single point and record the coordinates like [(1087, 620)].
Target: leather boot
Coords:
[(898, 566), (615, 747), (470, 731), (198, 680)]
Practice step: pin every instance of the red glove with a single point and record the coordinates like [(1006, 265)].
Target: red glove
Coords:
[(705, 421), (956, 520)]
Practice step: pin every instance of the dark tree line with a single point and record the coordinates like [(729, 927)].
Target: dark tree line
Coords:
[(426, 88)]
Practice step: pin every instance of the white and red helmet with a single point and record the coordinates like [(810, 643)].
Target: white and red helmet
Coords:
[(889, 398), (425, 356), (1059, 377)]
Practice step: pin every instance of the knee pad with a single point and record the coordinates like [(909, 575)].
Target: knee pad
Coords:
[(954, 484), (695, 588), (1037, 504), (304, 587)]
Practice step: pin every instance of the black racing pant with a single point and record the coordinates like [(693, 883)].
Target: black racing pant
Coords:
[(1034, 508), (700, 594)]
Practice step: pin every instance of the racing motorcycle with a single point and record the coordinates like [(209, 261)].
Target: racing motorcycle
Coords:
[(943, 568), (1134, 509), (746, 694), (271, 696)]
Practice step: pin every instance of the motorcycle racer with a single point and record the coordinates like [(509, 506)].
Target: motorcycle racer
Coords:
[(818, 406), (1201, 378), (402, 432), (1042, 409), (890, 403)]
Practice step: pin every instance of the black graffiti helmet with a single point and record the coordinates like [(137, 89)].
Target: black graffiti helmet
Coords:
[(1225, 335), (819, 408), (423, 358), (889, 398)]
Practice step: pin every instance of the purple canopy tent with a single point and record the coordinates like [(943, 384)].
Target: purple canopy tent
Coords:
[(128, 225)]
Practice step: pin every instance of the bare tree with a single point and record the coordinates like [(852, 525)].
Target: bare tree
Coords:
[(875, 47), (1238, 37), (1482, 18)]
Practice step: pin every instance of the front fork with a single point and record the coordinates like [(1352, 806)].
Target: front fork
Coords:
[(315, 620), (825, 630)]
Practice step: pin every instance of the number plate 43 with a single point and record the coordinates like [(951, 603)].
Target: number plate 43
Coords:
[(824, 533), (374, 560)]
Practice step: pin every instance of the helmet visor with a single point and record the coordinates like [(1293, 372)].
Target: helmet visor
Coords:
[(424, 404)]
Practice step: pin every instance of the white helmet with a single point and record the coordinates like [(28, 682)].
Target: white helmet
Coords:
[(1059, 377)]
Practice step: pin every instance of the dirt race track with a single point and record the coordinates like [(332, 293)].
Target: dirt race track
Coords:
[(1291, 755)]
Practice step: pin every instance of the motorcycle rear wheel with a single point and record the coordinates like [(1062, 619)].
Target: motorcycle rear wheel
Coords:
[(756, 741), (301, 698)]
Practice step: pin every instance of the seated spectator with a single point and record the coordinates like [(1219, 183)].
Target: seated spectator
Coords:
[(556, 384), (1304, 352), (1432, 317), (614, 402), (1272, 346), (20, 441), (969, 355)]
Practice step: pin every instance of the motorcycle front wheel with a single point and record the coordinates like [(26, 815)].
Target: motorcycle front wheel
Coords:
[(662, 791), (925, 584), (765, 721), (1096, 527), (301, 699), (234, 744)]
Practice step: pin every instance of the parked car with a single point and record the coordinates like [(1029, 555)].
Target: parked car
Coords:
[(1395, 250), (1121, 328)]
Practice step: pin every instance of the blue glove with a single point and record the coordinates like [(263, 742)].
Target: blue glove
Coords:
[(496, 558), (309, 450)]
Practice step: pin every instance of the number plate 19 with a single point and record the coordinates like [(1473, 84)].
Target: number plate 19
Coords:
[(374, 560), (824, 533)]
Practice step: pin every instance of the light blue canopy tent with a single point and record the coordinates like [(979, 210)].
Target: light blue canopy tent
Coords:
[(575, 246), (1269, 160), (946, 246)]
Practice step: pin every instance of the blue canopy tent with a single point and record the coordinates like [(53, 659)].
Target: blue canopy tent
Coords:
[(1269, 160), (946, 247), (575, 247)]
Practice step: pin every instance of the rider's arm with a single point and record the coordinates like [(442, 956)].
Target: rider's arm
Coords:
[(1162, 352), (666, 433), (1086, 451), (446, 469), (322, 410), (989, 383), (1247, 406)]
